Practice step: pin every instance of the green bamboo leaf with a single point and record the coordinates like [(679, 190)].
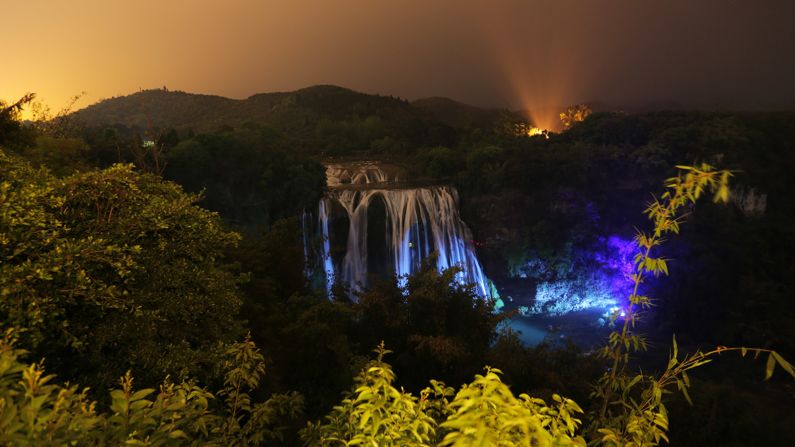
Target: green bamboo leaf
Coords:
[(771, 365), (662, 265), (784, 364)]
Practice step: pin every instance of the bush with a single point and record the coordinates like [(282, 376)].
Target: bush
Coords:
[(36, 411), (107, 270)]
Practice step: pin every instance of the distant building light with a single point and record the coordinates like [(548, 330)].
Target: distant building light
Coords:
[(533, 131)]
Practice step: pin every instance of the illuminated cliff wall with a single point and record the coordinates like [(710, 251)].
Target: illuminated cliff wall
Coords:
[(392, 227)]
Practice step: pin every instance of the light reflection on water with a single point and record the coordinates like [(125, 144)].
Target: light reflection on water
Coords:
[(585, 329), (529, 332)]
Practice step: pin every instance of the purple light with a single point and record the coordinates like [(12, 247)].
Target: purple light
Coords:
[(616, 264), (601, 280)]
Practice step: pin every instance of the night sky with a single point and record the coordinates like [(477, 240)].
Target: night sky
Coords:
[(509, 53)]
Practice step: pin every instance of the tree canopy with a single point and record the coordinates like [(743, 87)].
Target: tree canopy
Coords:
[(112, 269)]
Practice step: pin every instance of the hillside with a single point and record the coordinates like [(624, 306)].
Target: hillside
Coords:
[(459, 115), (160, 107), (296, 111)]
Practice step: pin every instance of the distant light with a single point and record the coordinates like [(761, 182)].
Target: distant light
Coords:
[(533, 131)]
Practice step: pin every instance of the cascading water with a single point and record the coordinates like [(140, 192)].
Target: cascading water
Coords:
[(418, 222)]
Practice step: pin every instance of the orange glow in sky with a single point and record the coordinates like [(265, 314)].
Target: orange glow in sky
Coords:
[(538, 55)]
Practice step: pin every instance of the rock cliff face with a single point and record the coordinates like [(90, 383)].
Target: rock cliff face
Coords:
[(547, 250), (366, 174)]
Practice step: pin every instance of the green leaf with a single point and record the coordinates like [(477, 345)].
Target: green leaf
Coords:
[(365, 418), (683, 388), (138, 395), (784, 364), (662, 265), (178, 434), (139, 405), (771, 365)]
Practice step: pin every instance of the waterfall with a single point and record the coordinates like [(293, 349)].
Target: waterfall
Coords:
[(328, 267), (419, 221)]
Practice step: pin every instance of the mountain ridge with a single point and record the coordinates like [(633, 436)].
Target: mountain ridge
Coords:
[(204, 112)]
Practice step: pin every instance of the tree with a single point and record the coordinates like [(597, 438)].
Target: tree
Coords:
[(12, 133), (247, 175), (574, 114), (62, 156), (375, 414), (437, 327), (483, 412), (113, 269), (63, 124)]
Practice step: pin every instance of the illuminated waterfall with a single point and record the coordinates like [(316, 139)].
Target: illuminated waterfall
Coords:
[(328, 268), (418, 222)]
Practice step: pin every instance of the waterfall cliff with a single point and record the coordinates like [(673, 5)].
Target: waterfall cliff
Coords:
[(391, 227)]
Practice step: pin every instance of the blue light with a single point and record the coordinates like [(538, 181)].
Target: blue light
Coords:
[(604, 284)]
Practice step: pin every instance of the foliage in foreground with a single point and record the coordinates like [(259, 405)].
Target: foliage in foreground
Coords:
[(34, 411), (484, 412), (632, 411), (105, 270)]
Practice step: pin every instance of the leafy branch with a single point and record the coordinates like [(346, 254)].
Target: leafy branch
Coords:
[(624, 418)]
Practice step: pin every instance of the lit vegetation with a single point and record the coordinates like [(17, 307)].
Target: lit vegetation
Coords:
[(37, 411), (574, 114), (111, 268)]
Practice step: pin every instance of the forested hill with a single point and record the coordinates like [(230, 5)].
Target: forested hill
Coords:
[(161, 108), (298, 110), (459, 115)]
